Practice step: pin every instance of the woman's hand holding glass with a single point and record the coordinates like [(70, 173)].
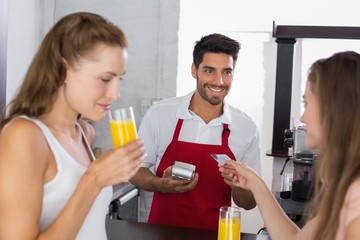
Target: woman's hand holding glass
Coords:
[(118, 164)]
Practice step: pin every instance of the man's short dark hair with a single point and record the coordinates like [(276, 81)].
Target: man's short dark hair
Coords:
[(215, 43)]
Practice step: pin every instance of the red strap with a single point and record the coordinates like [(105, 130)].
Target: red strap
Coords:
[(177, 129), (225, 134)]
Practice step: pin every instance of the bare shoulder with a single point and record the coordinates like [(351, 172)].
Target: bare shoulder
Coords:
[(88, 130), (22, 137), (20, 129), (24, 154)]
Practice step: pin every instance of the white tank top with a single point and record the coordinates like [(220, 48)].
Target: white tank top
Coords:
[(58, 191)]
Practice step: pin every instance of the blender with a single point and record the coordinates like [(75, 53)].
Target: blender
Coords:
[(302, 158)]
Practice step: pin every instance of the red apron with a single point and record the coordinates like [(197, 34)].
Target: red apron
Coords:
[(198, 208)]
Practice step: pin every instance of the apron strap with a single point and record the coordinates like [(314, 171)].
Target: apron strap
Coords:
[(225, 134), (177, 129)]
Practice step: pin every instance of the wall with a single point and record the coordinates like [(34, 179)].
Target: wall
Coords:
[(23, 40), (3, 50)]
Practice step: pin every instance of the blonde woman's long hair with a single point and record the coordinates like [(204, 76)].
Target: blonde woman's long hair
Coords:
[(336, 83)]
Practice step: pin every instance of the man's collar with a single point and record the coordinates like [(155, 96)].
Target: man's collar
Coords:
[(184, 112)]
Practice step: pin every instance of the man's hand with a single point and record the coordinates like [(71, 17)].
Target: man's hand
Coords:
[(170, 185)]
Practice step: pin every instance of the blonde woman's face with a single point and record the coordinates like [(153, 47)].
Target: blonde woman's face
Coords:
[(311, 119), (94, 83)]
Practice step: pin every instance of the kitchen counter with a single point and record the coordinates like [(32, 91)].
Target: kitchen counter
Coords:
[(124, 204), (131, 230), (120, 190), (125, 230)]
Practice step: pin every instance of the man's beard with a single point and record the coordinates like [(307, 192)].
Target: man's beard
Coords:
[(214, 100)]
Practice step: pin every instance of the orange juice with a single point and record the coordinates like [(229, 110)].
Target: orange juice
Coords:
[(229, 229), (122, 132)]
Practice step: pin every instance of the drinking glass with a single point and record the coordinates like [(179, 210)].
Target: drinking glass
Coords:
[(229, 223), (122, 126)]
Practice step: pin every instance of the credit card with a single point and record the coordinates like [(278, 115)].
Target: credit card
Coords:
[(220, 158)]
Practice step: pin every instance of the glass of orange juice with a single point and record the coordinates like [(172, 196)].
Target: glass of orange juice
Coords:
[(122, 126), (229, 223)]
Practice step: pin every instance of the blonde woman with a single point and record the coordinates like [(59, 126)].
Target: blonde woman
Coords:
[(332, 119)]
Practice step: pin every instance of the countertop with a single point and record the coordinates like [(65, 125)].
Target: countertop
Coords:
[(125, 230), (121, 189)]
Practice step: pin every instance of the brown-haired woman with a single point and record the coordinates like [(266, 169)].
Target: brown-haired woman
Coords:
[(50, 184), (332, 119)]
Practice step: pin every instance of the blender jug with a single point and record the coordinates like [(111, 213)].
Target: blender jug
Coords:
[(302, 179)]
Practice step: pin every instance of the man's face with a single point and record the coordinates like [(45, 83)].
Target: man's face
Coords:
[(214, 77)]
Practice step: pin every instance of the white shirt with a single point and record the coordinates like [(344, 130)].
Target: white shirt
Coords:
[(157, 129)]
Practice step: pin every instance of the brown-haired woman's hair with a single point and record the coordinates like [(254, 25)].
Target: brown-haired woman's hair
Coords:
[(71, 38), (336, 83)]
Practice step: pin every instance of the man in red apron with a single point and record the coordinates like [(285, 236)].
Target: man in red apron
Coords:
[(191, 128)]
